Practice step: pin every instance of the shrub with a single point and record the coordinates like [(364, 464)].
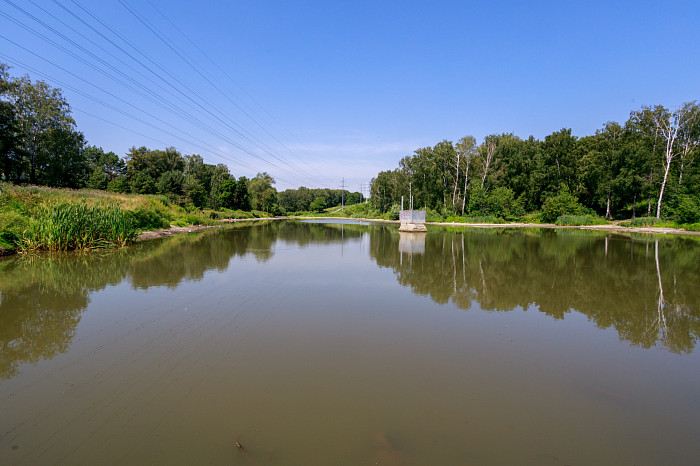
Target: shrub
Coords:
[(192, 219), (687, 209), (318, 205), (9, 239), (146, 219), (433, 216), (394, 213), (563, 203)]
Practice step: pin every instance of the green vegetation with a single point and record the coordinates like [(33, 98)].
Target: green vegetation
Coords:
[(40, 145), (66, 226), (643, 222), (578, 220), (52, 219), (649, 164)]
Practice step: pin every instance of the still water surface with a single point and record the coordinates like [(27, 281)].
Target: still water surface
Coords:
[(341, 343)]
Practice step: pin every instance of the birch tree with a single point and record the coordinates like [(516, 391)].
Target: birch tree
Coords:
[(671, 125), (488, 151), (467, 148), (689, 140)]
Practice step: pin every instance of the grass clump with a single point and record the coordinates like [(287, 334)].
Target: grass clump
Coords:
[(645, 222), (579, 220), (65, 226)]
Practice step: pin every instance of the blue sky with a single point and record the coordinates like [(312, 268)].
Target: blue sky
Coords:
[(314, 92)]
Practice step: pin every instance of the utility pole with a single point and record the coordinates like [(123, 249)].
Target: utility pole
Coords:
[(342, 195)]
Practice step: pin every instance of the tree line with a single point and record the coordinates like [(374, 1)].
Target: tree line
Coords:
[(645, 166), (40, 144)]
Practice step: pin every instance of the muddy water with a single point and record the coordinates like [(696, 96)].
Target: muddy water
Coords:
[(312, 343)]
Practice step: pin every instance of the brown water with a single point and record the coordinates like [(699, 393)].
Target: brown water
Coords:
[(315, 343)]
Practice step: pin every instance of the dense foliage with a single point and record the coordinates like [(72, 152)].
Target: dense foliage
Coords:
[(647, 164), (306, 199)]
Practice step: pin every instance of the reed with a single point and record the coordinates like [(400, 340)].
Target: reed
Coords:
[(66, 226)]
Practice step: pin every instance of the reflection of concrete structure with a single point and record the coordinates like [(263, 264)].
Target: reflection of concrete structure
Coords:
[(411, 244), (412, 221)]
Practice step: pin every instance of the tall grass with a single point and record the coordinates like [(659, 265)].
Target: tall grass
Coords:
[(579, 220), (66, 226), (644, 222)]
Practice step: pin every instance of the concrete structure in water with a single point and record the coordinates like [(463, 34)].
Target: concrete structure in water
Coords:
[(412, 221)]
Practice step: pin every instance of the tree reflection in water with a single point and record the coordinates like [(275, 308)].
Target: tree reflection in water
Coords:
[(649, 298), (43, 296), (558, 272)]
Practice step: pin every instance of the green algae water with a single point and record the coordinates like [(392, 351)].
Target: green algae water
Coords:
[(346, 343)]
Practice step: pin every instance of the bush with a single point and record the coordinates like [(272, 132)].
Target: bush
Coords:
[(563, 203), (433, 216), (9, 240), (318, 205), (192, 219), (687, 209), (144, 219), (394, 213)]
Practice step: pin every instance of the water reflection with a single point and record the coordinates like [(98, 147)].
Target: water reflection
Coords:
[(643, 287), (615, 281), (43, 296)]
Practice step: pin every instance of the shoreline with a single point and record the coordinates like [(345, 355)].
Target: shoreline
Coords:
[(610, 227), (175, 230)]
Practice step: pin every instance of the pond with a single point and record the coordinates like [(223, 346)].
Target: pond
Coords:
[(348, 343)]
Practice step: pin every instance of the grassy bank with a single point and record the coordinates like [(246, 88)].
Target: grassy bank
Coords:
[(365, 210), (48, 219)]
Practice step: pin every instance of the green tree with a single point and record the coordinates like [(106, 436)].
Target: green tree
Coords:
[(103, 167), (153, 162), (10, 155), (45, 127), (262, 195), (65, 164), (558, 163), (671, 129), (466, 150), (318, 204), (171, 183), (143, 183), (233, 194)]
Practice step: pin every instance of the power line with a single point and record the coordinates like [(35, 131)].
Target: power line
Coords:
[(43, 37), (117, 75), (228, 76)]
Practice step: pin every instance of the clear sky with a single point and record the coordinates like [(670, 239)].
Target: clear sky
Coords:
[(316, 91)]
